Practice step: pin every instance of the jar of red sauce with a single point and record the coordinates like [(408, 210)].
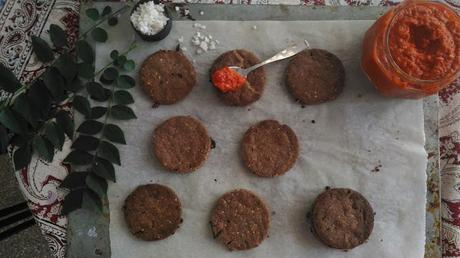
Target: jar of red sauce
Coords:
[(413, 50)]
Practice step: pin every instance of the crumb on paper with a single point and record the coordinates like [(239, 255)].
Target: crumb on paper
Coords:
[(377, 168), (212, 46), (203, 42), (199, 26), (204, 46), (92, 232)]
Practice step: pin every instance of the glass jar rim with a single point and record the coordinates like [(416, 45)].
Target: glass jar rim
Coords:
[(386, 45)]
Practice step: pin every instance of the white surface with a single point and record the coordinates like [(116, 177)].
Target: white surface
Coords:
[(351, 136)]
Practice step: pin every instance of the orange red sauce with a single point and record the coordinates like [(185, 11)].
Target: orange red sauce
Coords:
[(413, 50), (227, 80)]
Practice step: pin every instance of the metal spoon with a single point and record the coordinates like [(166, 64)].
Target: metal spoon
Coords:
[(286, 53)]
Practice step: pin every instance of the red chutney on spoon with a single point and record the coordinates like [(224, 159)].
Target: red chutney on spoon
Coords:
[(413, 50)]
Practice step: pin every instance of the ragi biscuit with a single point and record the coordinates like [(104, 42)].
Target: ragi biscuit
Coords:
[(167, 77), (255, 84), (181, 144), (269, 148), (315, 76), (342, 218), (240, 220), (152, 212)]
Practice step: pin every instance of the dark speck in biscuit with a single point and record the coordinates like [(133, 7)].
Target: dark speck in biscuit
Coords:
[(342, 218), (152, 212), (315, 76), (181, 144), (269, 148), (167, 76), (240, 220)]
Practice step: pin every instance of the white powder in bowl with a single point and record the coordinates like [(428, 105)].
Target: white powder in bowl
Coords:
[(149, 18)]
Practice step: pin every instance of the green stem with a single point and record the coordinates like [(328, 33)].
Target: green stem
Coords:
[(132, 46), (16, 94), (106, 119), (9, 101), (121, 10)]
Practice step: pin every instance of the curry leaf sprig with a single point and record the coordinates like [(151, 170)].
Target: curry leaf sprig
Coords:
[(36, 118), (94, 151)]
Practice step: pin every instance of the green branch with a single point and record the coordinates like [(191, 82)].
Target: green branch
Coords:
[(119, 11), (132, 46)]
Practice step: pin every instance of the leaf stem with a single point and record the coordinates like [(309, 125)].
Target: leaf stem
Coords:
[(121, 10), (106, 119), (16, 94), (132, 46), (9, 101), (23, 88)]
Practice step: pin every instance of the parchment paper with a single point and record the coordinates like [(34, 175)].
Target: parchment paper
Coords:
[(350, 137)]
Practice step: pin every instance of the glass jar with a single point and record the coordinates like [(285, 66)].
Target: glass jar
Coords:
[(413, 50)]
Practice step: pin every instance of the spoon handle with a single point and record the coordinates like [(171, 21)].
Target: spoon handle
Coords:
[(286, 53)]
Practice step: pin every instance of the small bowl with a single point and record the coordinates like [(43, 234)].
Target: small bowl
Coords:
[(159, 35)]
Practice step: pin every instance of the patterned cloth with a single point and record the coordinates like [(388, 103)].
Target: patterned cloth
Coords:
[(21, 19)]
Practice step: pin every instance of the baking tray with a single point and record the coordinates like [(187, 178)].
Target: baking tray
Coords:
[(88, 235)]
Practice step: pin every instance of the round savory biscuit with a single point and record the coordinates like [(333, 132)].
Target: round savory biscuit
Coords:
[(240, 220), (269, 148), (255, 84), (342, 218), (152, 212), (315, 76), (167, 77), (181, 144)]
